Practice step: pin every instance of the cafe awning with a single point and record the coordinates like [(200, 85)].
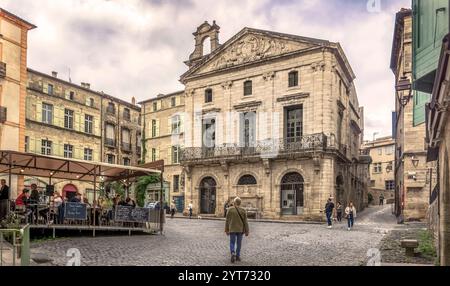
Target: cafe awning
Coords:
[(35, 165)]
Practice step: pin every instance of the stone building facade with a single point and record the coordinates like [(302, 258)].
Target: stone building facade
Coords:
[(13, 79), (163, 135), (271, 118), (412, 172), (72, 121), (382, 179)]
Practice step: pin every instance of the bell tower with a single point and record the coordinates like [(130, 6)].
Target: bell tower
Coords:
[(204, 32)]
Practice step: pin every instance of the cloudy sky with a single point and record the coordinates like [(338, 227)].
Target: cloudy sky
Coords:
[(137, 47)]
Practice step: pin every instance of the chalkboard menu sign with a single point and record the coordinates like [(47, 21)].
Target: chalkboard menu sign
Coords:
[(130, 214), (75, 211)]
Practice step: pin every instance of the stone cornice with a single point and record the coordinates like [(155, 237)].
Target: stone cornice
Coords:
[(295, 96), (247, 105)]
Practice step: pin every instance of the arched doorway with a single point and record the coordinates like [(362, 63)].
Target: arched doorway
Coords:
[(69, 191), (292, 200), (208, 196)]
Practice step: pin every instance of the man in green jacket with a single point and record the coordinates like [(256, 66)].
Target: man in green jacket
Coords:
[(236, 226)]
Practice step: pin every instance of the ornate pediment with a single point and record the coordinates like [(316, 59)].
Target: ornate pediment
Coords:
[(250, 48)]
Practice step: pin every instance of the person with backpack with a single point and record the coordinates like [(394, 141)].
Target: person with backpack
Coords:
[(329, 206), (350, 213), (339, 212), (236, 225)]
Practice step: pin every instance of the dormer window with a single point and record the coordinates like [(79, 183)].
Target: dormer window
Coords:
[(208, 95), (248, 88), (293, 78)]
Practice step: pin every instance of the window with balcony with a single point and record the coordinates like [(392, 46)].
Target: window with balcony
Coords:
[(294, 123), (209, 133), (110, 135), (88, 154), (68, 118), (46, 147), (208, 95), (293, 78), (126, 114), (248, 129), (176, 183), (126, 140), (88, 124), (111, 108), (47, 113), (68, 151), (248, 87)]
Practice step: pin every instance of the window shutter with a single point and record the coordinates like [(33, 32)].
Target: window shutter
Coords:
[(76, 121), (157, 127), (159, 104), (169, 155), (157, 154), (95, 155), (39, 111), (45, 88), (178, 100), (169, 125), (32, 145), (58, 116), (420, 99), (181, 123)]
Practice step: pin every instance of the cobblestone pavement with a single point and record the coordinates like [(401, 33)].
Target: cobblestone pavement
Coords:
[(203, 242)]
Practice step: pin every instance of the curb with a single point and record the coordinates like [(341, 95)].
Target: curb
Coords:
[(251, 220)]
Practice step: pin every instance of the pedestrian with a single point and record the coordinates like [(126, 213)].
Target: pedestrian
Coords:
[(190, 209), (173, 209), (329, 206), (339, 211), (381, 199), (350, 213), (4, 197), (236, 225), (225, 208)]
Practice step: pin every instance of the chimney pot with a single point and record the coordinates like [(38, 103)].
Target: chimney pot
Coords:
[(54, 74), (133, 100), (88, 85)]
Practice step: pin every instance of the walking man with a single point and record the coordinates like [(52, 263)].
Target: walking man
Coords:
[(381, 199), (236, 226), (339, 211), (329, 206), (4, 197), (350, 213), (173, 209), (190, 209)]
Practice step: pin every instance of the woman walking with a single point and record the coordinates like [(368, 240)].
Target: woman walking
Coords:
[(350, 213), (236, 226), (339, 212)]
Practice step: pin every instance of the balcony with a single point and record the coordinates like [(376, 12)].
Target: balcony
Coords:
[(2, 70), (126, 147), (110, 142), (271, 148)]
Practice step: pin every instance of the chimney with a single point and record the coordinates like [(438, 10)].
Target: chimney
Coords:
[(54, 74), (82, 84), (87, 85), (133, 100)]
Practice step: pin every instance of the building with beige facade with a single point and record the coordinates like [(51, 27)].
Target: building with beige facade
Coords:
[(72, 121), (269, 117), (412, 172), (382, 179), (163, 119), (13, 81)]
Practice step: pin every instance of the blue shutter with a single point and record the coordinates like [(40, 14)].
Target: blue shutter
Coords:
[(420, 99)]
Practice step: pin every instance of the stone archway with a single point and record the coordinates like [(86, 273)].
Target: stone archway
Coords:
[(69, 191), (339, 188), (207, 189), (292, 194)]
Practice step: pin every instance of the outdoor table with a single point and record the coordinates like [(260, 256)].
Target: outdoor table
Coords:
[(37, 208)]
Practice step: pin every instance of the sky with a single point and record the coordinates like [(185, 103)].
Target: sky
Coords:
[(137, 48)]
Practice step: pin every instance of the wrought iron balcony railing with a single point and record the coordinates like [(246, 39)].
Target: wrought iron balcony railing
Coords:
[(266, 149), (110, 142), (2, 70)]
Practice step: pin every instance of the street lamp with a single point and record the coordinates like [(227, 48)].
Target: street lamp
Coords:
[(404, 84)]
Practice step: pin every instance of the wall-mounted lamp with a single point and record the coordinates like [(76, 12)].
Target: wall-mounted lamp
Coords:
[(404, 84)]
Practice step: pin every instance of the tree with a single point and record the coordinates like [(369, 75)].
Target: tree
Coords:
[(141, 188)]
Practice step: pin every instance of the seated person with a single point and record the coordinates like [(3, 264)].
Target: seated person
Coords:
[(35, 195), (24, 198)]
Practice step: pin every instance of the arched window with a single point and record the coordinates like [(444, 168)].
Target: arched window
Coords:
[(208, 95), (293, 78), (248, 87), (247, 180)]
